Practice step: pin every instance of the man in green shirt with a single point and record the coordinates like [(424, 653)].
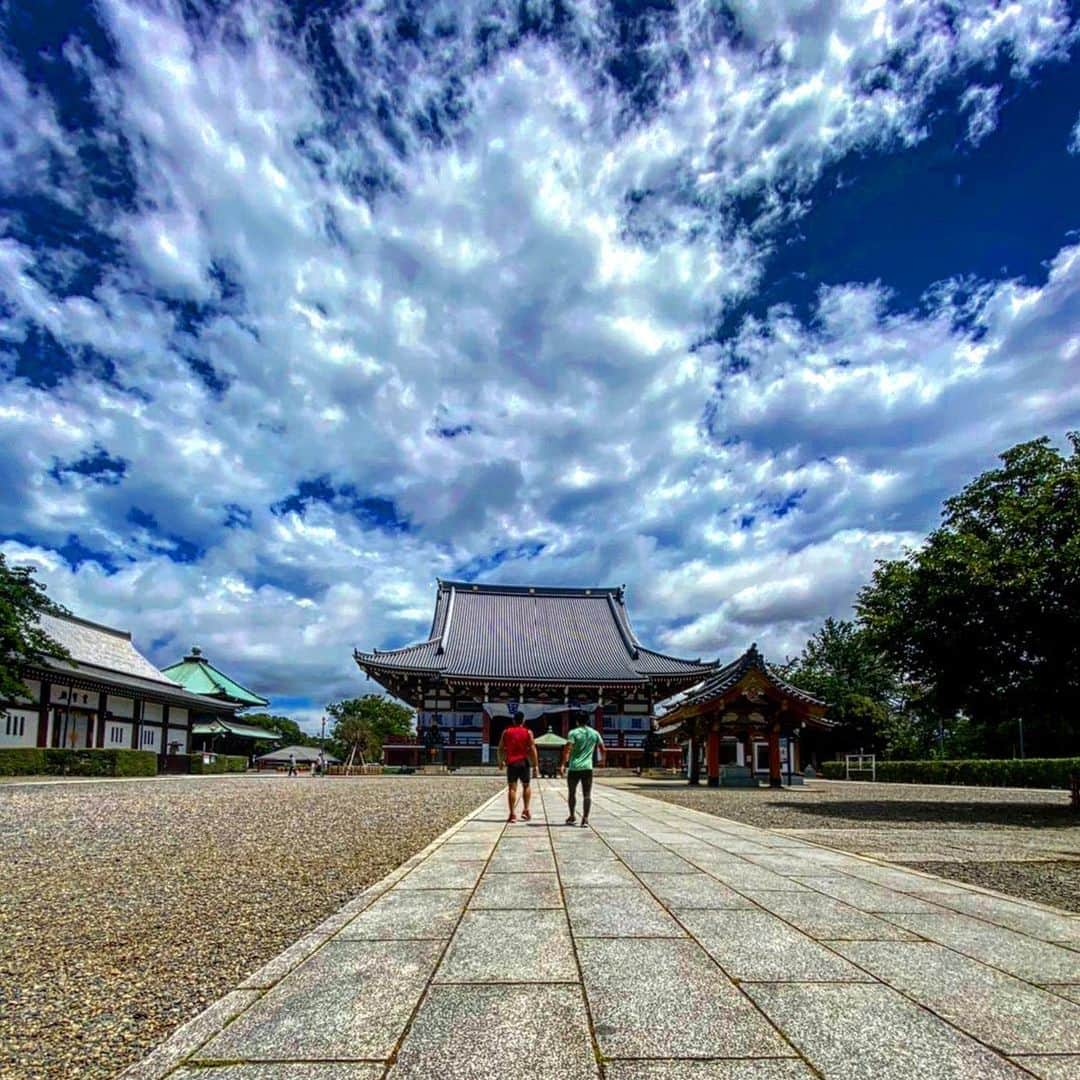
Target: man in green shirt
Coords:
[(577, 763)]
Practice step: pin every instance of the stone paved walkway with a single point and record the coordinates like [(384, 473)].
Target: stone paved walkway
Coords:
[(660, 943)]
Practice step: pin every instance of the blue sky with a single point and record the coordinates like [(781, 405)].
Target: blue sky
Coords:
[(304, 305)]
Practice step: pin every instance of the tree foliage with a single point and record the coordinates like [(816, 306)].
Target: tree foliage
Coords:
[(363, 725), (290, 731), (839, 665), (985, 618), (22, 640)]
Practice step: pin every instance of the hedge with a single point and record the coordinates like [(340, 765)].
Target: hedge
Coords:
[(222, 763), (22, 761), (1007, 772), (47, 761)]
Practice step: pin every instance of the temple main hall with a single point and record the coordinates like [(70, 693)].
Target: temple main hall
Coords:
[(494, 649)]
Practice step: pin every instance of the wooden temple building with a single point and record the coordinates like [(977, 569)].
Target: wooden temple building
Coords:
[(212, 732), (746, 722), (494, 649), (106, 696)]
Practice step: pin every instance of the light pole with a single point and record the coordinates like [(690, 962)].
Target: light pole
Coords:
[(1020, 721), (322, 748)]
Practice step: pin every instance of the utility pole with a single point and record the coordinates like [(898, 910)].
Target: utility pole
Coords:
[(322, 748)]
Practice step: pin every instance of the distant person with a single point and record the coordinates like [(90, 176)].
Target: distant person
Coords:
[(292, 764), (577, 763), (516, 750)]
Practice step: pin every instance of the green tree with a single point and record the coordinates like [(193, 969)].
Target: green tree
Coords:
[(290, 731), (985, 617), (363, 725), (840, 666), (22, 640)]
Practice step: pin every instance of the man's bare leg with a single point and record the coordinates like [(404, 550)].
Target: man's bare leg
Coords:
[(526, 794), (511, 795)]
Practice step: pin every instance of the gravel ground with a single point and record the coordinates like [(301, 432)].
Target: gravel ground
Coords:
[(1025, 843), (126, 908)]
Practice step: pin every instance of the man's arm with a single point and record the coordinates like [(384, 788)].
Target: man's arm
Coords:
[(500, 753), (534, 753), (601, 750), (565, 757)]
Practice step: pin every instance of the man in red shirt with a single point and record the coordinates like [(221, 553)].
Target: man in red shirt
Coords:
[(516, 750)]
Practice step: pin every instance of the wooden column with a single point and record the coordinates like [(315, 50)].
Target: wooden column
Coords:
[(775, 776), (165, 730), (713, 758), (136, 722), (693, 767), (103, 701), (43, 713)]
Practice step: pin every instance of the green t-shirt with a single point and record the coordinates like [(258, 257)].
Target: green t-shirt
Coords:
[(583, 742)]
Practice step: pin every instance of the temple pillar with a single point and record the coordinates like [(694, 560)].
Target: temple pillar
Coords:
[(713, 758), (693, 768), (775, 776), (44, 713), (485, 740)]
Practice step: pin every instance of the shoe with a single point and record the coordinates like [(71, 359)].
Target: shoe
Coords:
[(571, 820), (512, 817), (526, 815), (584, 823)]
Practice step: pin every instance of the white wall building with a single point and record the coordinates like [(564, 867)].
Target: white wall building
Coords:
[(109, 696)]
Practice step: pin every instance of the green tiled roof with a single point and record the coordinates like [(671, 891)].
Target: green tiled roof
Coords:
[(230, 727), (197, 674)]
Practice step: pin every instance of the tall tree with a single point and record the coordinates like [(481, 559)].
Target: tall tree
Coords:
[(841, 666), (363, 724), (22, 640), (290, 731), (986, 615)]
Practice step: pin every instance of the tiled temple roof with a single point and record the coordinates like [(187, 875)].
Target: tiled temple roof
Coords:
[(105, 657), (197, 674), (531, 633)]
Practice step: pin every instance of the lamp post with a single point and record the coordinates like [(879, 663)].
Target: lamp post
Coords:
[(322, 747), (1020, 721)]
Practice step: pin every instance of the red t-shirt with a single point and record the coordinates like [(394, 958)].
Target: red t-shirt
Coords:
[(516, 744)]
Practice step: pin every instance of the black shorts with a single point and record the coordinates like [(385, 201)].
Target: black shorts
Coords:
[(519, 771), (582, 777)]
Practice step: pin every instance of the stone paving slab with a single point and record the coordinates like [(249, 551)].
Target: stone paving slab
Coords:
[(1052, 1068), (285, 1070), (522, 892), (619, 911), (655, 998), (661, 942), (675, 1069), (505, 946), (349, 1001), (824, 918), (862, 1031), (693, 891), (1008, 1014), (1026, 957), (421, 913), (756, 945), (491, 1032)]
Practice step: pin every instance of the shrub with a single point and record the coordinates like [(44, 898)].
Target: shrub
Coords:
[(1006, 772), (134, 762), (222, 763), (22, 761), (100, 762)]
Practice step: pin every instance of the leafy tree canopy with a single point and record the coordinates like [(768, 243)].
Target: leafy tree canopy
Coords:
[(363, 724), (289, 730), (22, 641), (985, 617), (841, 666)]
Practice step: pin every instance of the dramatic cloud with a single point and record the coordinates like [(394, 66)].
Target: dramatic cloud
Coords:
[(297, 314)]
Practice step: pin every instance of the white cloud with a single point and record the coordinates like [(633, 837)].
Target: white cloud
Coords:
[(529, 272), (981, 104)]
